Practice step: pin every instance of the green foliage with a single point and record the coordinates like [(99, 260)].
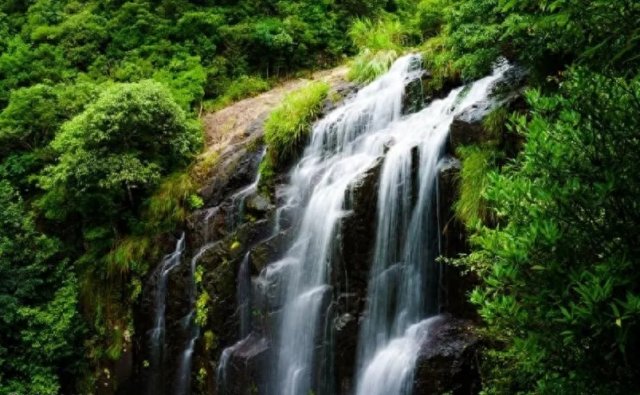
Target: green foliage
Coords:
[(100, 154), (202, 309), (116, 151), (369, 65), (429, 17), (477, 163), (129, 254), (195, 202), (29, 123), (561, 272), (185, 77), (495, 124), (546, 36), (169, 203), (288, 125), (39, 325), (381, 35), (380, 43)]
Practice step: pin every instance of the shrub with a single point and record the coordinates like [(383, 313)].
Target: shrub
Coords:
[(561, 269)]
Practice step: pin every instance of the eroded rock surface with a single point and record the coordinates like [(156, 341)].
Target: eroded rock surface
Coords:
[(448, 359)]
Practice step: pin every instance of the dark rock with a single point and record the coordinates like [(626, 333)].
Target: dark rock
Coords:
[(338, 95), (414, 98), (346, 329), (507, 92), (236, 167), (350, 274), (453, 238), (245, 372), (268, 251), (448, 359), (358, 233), (454, 284), (258, 203), (467, 129)]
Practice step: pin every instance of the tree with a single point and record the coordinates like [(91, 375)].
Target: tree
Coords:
[(39, 324), (114, 152)]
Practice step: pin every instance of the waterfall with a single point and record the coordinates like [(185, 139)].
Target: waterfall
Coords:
[(344, 145), (402, 300), (183, 383), (234, 219), (403, 283), (239, 198), (157, 333), (244, 295)]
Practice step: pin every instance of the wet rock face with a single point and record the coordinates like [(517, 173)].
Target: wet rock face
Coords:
[(414, 98), (236, 167), (448, 359), (454, 285), (244, 373), (351, 275), (467, 128)]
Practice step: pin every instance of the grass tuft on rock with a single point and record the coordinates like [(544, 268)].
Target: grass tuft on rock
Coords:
[(287, 127), (477, 164)]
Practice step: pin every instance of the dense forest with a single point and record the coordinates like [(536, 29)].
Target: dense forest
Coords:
[(100, 155)]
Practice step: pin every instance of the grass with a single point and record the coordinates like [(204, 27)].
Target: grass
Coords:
[(440, 62), (200, 171), (381, 35), (129, 254), (477, 163), (369, 65), (287, 127), (380, 43), (495, 123), (169, 204)]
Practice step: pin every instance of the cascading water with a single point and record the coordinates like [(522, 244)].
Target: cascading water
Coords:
[(238, 199), (157, 334), (403, 288), (183, 383), (237, 202), (344, 145), (244, 295), (404, 278)]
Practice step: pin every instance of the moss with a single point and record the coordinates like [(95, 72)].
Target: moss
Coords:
[(477, 163), (267, 173), (202, 308), (210, 340), (195, 201), (203, 165), (287, 127)]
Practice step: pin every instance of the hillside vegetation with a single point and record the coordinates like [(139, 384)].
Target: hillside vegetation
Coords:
[(99, 131)]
